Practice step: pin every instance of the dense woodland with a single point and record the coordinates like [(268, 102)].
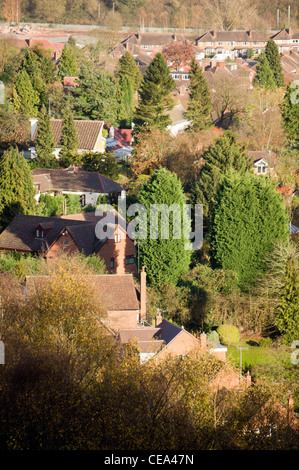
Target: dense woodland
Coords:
[(245, 276), (197, 14)]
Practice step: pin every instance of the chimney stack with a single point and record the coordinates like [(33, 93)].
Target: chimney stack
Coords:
[(248, 379), (158, 318), (203, 341), (143, 294)]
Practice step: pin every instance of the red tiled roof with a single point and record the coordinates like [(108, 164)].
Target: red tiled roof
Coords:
[(116, 291), (88, 133)]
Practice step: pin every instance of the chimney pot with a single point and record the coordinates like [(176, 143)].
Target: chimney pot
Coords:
[(142, 294), (158, 318)]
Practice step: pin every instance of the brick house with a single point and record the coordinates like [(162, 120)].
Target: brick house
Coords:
[(117, 293), (74, 180), (90, 135), (231, 43), (48, 237), (263, 161), (287, 40)]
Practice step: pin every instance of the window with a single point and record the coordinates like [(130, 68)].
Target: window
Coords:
[(111, 262), (39, 233), (144, 46), (209, 43), (186, 77), (117, 237), (220, 43), (130, 259), (83, 200)]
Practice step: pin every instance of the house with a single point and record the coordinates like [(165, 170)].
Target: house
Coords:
[(239, 69), (90, 135), (89, 186), (287, 40), (119, 143), (90, 233), (118, 295), (166, 339), (231, 43), (147, 43), (263, 161), (290, 67)]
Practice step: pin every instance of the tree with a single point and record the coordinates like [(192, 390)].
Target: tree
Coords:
[(127, 102), (273, 57), (24, 98), (103, 163), (69, 136), (155, 97), (14, 128), (290, 111), (16, 186), (178, 53), (249, 217), (96, 97), (199, 103), (127, 67), (264, 73), (44, 142), (227, 154), (287, 311), (166, 259), (68, 66)]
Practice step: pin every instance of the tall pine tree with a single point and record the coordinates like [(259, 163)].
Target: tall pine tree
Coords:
[(16, 186), (69, 139), (68, 64), (165, 259), (127, 67), (290, 111), (155, 98), (227, 154), (25, 98), (264, 76), (199, 103), (273, 57), (44, 142), (248, 218)]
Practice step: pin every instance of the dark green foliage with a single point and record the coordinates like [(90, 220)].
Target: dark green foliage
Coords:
[(16, 186), (225, 155), (68, 66), (44, 142), (14, 128), (165, 259), (264, 74), (127, 67), (272, 54), (103, 163), (199, 103), (248, 218), (155, 98), (127, 102), (69, 135), (287, 311), (290, 111), (96, 97), (25, 98)]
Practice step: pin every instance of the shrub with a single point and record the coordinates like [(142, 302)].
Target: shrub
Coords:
[(228, 334), (213, 337)]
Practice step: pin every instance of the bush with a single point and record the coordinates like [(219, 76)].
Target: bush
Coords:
[(213, 337), (228, 334)]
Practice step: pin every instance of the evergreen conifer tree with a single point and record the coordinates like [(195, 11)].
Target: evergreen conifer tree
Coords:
[(69, 138), (68, 64), (25, 98), (127, 67), (126, 102), (44, 142), (155, 98), (290, 111), (199, 103), (264, 75), (166, 259), (16, 186), (227, 154), (273, 57), (248, 218)]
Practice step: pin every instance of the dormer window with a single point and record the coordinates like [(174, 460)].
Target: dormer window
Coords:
[(39, 233)]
